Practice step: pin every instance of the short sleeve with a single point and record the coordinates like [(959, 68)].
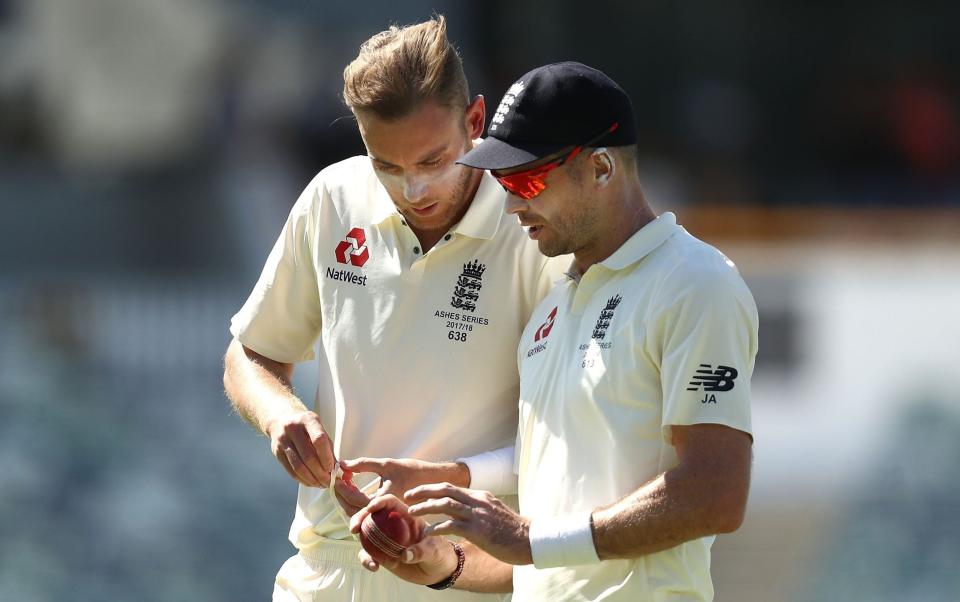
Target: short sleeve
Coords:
[(281, 319), (706, 339)]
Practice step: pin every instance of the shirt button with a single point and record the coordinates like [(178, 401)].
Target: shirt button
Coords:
[(416, 250), (447, 237), (403, 222)]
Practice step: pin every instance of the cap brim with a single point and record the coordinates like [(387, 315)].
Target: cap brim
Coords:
[(494, 153)]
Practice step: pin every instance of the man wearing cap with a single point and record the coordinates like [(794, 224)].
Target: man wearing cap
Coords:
[(634, 440), (418, 284)]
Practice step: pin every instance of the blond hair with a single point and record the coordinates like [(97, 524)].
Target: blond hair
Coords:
[(401, 67)]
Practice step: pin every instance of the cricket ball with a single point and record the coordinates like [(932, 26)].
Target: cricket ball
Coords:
[(384, 534)]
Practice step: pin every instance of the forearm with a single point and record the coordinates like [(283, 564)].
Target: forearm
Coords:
[(677, 506), (258, 388), (483, 573)]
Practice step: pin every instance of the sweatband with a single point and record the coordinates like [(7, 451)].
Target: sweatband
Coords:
[(562, 541), (492, 471)]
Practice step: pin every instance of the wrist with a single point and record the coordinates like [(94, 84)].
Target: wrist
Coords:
[(457, 570), (563, 541), (279, 419), (458, 473)]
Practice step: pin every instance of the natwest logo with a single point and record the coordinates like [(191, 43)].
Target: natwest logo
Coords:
[(545, 328), (353, 248)]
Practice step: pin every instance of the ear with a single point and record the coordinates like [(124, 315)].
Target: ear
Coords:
[(604, 165), (475, 117)]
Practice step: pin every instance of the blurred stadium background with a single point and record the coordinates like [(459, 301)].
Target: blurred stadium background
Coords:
[(150, 150)]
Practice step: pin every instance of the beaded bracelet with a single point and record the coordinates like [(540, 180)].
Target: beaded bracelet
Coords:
[(449, 581)]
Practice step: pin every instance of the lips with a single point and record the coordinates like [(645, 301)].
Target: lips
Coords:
[(426, 210), (534, 231)]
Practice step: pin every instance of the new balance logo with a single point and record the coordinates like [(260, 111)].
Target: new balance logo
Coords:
[(353, 248), (712, 380), (545, 328)]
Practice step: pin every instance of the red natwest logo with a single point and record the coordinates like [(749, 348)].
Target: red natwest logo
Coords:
[(545, 328), (355, 245)]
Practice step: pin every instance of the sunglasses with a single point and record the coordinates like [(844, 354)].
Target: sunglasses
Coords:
[(528, 184)]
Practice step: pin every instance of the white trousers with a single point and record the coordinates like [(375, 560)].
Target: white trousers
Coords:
[(331, 572)]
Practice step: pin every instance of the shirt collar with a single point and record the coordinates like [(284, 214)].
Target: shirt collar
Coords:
[(643, 242), (485, 212), (383, 207)]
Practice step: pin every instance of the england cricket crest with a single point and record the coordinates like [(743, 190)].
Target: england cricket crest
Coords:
[(606, 314), (467, 290)]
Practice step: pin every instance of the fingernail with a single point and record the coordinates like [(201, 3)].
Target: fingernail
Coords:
[(408, 555)]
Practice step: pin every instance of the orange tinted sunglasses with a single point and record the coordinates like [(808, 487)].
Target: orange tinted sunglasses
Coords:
[(528, 184)]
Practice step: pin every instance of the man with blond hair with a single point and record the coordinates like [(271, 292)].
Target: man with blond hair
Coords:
[(418, 285)]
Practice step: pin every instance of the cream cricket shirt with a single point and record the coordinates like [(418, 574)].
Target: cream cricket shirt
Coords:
[(420, 348), (661, 333)]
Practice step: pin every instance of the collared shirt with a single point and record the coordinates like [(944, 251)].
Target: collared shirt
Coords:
[(661, 333), (419, 347)]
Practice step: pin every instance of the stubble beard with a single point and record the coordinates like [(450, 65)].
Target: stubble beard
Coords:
[(570, 235), (457, 203)]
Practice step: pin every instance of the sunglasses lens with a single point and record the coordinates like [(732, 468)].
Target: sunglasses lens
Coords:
[(528, 184), (524, 187)]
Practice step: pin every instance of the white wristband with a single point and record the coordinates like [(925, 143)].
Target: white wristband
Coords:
[(492, 471), (562, 541)]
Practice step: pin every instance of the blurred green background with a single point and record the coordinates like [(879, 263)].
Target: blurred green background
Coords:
[(149, 153)]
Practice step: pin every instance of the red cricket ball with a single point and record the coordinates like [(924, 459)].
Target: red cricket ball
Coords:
[(384, 534)]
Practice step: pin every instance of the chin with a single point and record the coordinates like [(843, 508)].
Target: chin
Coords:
[(430, 222)]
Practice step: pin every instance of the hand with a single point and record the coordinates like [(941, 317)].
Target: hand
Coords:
[(429, 561), (351, 499), (399, 476), (477, 516), (302, 447)]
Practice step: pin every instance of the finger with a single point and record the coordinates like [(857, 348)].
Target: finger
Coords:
[(357, 519), (451, 508), (347, 507), (321, 444), (367, 562), (347, 481), (304, 475), (446, 527), (386, 501), (351, 495), (375, 465), (307, 462), (377, 503), (281, 456), (347, 476), (439, 490), (302, 440), (386, 486)]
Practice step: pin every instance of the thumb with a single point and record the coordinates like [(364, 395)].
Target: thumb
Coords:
[(418, 552), (367, 561)]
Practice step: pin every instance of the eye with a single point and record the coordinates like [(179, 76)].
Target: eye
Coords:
[(433, 164), (390, 169)]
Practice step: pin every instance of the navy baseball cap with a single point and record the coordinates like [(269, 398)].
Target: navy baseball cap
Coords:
[(551, 108)]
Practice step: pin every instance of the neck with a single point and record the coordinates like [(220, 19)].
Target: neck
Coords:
[(625, 218), (430, 237)]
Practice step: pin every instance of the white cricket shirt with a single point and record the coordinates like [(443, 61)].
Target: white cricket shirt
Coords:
[(663, 332), (420, 348)]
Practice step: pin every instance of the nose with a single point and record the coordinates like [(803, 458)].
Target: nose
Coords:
[(514, 204), (414, 189)]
